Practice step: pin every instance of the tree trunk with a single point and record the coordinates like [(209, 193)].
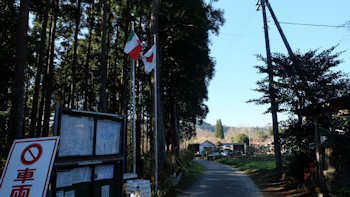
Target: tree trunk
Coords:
[(114, 74), (154, 24), (173, 119), (39, 71), (103, 96), (49, 73), (86, 86), (26, 109), (16, 115), (41, 108), (77, 22), (124, 81)]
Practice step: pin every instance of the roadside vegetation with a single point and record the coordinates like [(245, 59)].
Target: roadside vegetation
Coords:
[(194, 170), (189, 170)]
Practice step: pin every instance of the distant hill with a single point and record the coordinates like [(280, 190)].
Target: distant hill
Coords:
[(206, 126), (209, 127)]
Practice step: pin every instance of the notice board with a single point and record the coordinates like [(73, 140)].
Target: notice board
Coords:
[(90, 159)]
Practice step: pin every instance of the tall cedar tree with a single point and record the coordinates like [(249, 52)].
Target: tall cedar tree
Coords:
[(19, 71), (187, 67), (219, 130)]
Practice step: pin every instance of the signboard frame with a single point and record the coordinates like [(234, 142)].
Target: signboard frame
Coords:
[(70, 124)]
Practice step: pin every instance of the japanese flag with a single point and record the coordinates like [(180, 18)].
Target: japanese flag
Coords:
[(149, 59)]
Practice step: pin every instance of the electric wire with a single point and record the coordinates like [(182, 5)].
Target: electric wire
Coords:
[(316, 25), (242, 28)]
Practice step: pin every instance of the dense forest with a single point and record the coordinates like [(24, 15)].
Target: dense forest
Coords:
[(70, 53)]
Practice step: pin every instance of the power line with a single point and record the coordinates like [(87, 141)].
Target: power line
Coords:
[(241, 34), (314, 25)]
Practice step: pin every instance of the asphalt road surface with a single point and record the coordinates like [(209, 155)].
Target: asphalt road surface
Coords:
[(219, 180)]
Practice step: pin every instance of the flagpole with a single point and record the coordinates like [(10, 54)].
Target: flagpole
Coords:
[(155, 111), (134, 114)]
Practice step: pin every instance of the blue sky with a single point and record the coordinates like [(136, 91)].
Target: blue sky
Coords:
[(242, 36)]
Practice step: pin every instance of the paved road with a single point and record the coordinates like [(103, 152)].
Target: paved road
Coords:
[(219, 180)]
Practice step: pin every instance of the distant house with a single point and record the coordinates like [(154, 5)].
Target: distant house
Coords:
[(254, 144), (234, 147), (206, 146)]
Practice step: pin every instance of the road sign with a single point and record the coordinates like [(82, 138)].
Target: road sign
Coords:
[(28, 167)]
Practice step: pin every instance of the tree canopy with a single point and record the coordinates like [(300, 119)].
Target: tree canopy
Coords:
[(303, 79), (241, 138)]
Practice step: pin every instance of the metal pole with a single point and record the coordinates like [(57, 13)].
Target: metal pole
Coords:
[(134, 114), (155, 110)]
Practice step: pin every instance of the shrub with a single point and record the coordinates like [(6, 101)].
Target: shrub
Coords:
[(296, 164)]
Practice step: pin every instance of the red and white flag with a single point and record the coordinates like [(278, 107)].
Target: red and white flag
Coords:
[(149, 59), (133, 46)]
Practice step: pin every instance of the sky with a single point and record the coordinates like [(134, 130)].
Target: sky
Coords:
[(242, 36)]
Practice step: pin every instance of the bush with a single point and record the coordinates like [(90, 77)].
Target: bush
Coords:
[(343, 192), (186, 156), (250, 149), (296, 163)]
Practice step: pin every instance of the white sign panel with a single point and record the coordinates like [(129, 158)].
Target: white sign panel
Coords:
[(28, 167)]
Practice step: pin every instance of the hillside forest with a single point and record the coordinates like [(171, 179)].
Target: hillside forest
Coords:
[(206, 131)]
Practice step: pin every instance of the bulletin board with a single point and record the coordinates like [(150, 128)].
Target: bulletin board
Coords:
[(90, 159)]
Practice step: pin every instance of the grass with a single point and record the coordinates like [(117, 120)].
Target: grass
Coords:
[(194, 170)]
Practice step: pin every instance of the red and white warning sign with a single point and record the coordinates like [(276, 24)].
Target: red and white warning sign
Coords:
[(28, 167)]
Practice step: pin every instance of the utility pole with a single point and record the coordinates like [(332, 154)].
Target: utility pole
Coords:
[(272, 90), (280, 30)]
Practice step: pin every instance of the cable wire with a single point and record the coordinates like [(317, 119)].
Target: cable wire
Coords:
[(315, 25)]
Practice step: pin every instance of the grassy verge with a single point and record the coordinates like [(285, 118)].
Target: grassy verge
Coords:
[(194, 170)]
